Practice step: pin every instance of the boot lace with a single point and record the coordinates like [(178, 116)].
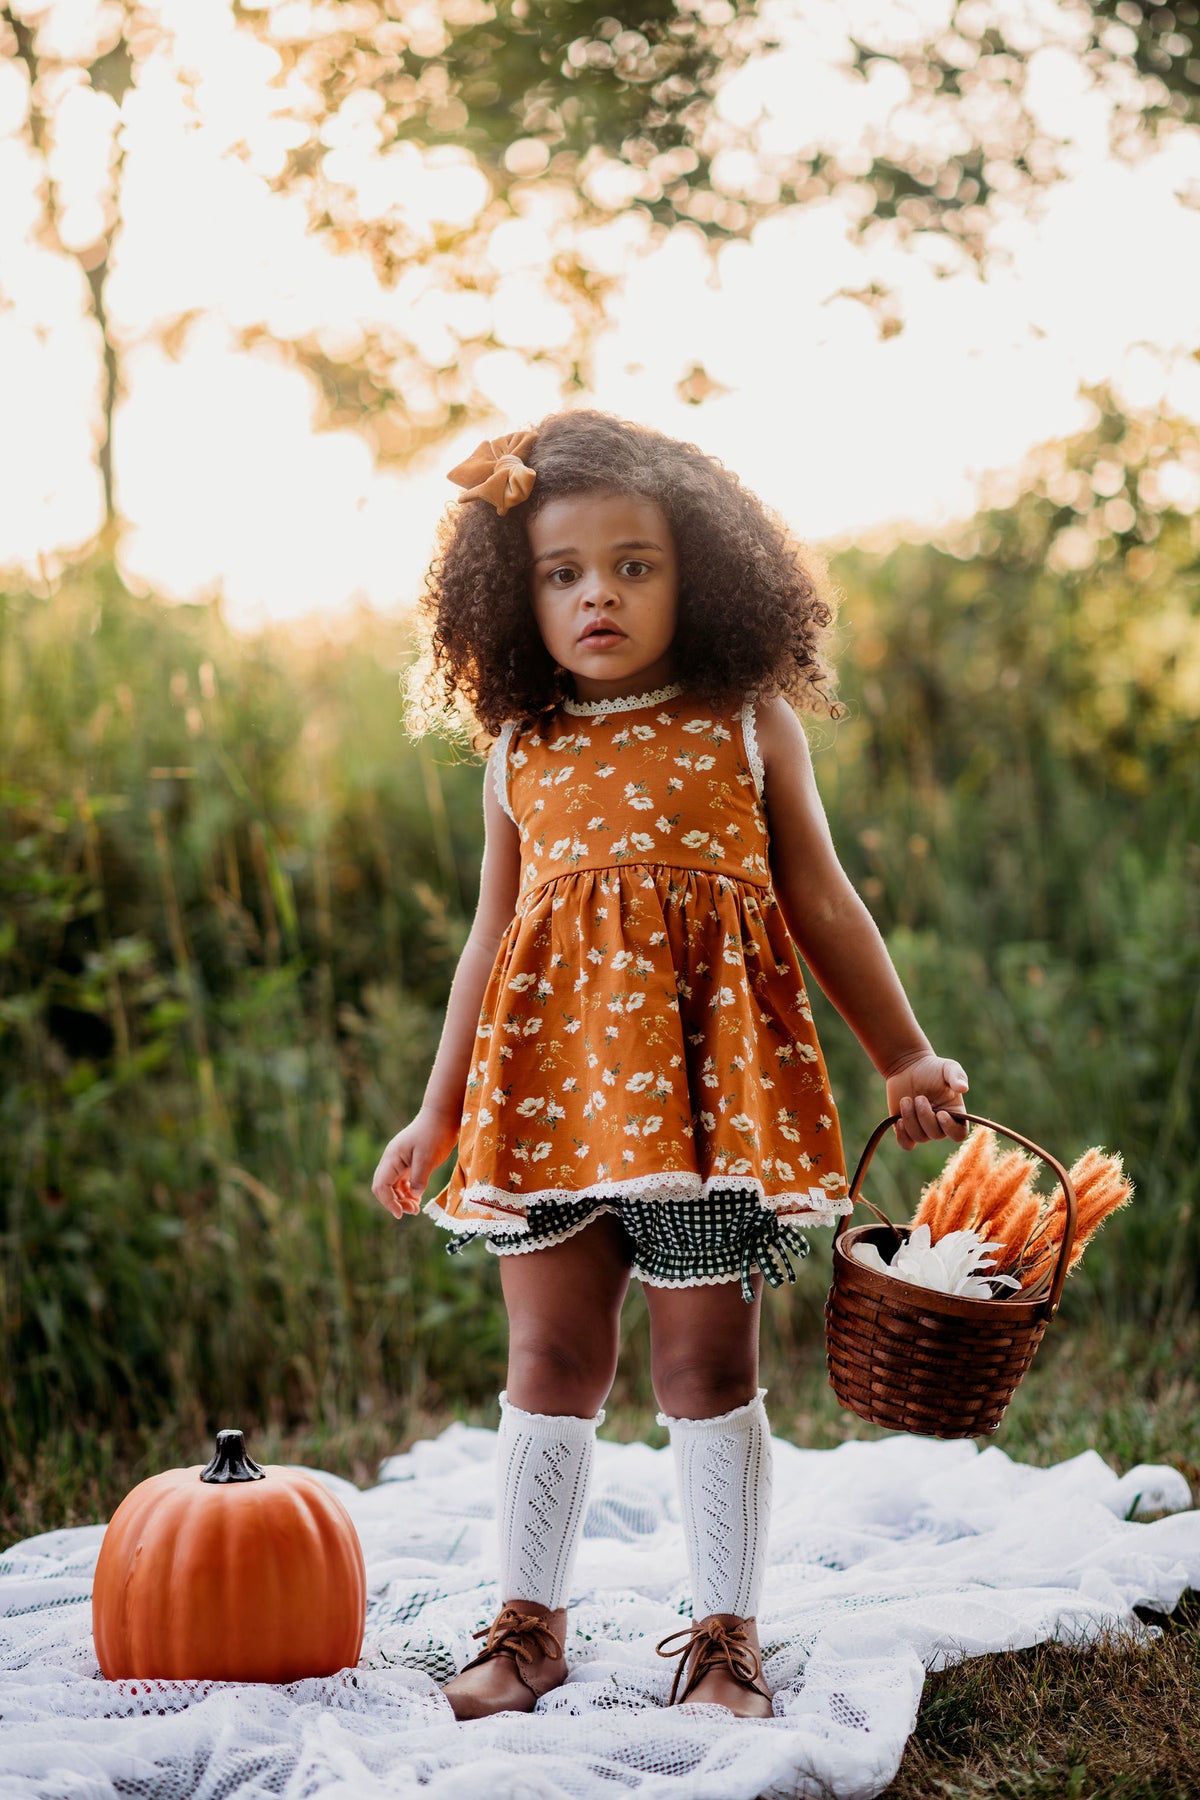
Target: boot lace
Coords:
[(713, 1645), (517, 1634)]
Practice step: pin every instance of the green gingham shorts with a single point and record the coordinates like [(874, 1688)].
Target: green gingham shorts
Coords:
[(675, 1243)]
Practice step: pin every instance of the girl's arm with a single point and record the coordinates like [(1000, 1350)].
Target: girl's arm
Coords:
[(841, 942), (414, 1153)]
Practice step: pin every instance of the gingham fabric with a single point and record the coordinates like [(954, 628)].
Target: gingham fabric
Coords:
[(676, 1243)]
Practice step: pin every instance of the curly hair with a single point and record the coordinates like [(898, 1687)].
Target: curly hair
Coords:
[(753, 605)]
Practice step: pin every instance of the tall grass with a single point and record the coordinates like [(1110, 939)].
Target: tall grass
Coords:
[(233, 895)]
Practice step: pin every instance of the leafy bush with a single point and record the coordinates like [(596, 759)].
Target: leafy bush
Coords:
[(233, 895)]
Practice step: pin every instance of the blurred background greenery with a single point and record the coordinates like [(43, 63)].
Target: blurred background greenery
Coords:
[(233, 894)]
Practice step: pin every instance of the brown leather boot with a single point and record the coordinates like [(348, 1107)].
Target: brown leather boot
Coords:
[(521, 1660), (725, 1660)]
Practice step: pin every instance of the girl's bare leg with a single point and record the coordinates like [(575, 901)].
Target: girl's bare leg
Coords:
[(564, 1317), (704, 1359), (564, 1311)]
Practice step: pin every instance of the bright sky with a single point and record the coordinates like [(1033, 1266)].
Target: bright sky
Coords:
[(227, 485)]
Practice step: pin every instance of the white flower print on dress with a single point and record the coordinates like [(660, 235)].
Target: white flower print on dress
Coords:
[(787, 1123), (687, 943)]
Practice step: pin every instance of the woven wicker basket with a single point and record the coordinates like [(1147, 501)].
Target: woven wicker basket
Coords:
[(919, 1361)]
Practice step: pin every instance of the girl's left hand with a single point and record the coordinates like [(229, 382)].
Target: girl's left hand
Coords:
[(925, 1094)]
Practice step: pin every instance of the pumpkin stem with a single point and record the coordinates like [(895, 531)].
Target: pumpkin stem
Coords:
[(230, 1461)]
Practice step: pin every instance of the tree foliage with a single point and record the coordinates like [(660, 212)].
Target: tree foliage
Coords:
[(574, 121)]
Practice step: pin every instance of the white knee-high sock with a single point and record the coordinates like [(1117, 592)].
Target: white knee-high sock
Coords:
[(724, 1471), (543, 1471)]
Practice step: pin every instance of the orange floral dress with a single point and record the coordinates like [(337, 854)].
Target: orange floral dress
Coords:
[(645, 1031)]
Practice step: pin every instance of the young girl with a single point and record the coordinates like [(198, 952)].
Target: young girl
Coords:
[(628, 1064)]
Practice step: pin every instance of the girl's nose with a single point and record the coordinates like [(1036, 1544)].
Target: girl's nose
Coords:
[(599, 590)]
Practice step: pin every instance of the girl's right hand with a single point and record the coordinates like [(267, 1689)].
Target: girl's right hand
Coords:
[(410, 1159)]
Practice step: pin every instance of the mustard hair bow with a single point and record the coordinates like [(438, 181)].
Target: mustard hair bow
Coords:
[(496, 473)]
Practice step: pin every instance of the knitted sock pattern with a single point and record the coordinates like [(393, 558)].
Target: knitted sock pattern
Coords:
[(543, 1471), (723, 1466)]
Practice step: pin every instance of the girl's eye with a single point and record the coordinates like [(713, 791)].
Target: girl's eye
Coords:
[(564, 575)]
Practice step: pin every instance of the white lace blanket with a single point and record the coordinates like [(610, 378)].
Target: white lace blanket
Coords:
[(887, 1559)]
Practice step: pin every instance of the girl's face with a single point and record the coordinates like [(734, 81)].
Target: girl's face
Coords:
[(605, 589)]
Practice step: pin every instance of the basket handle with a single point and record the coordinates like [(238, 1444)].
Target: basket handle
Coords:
[(1068, 1240)]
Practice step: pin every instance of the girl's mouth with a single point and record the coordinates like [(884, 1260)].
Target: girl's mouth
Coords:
[(607, 634)]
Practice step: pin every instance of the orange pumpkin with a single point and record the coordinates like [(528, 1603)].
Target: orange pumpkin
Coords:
[(229, 1573)]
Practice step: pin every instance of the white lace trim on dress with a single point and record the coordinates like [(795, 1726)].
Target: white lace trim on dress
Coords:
[(626, 704), (752, 751), (814, 1206), (500, 765), (547, 1243)]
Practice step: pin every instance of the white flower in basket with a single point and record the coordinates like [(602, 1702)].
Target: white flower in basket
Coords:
[(956, 1264)]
